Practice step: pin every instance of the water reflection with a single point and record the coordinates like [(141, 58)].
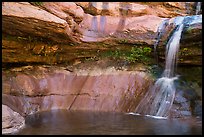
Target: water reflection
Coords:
[(93, 123)]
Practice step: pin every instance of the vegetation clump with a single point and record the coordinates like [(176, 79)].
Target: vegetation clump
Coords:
[(135, 54)]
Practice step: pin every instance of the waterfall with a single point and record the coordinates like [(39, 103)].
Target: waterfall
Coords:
[(160, 96), (198, 8), (172, 49)]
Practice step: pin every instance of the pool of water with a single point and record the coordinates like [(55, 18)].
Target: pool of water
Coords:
[(63, 122)]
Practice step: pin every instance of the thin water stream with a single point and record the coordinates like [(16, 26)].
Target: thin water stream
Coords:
[(159, 98), (198, 8)]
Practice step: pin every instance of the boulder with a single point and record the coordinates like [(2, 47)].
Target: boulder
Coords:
[(11, 120), (65, 10), (25, 20)]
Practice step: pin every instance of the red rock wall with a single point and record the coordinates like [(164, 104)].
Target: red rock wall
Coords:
[(116, 91)]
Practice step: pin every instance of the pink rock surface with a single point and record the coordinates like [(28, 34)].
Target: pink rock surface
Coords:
[(112, 91)]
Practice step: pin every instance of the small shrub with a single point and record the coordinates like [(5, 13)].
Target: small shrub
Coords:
[(138, 54)]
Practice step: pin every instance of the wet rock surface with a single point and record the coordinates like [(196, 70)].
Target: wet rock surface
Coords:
[(188, 98), (190, 51)]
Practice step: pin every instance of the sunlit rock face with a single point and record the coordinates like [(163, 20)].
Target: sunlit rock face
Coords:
[(11, 120), (91, 21), (133, 29), (65, 10), (108, 90), (161, 9), (24, 19), (135, 22), (69, 12)]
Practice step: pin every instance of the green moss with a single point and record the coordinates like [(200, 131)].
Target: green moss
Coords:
[(37, 3), (189, 29), (185, 52)]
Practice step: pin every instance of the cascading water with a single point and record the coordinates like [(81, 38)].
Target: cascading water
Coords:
[(198, 8), (172, 48), (159, 98)]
